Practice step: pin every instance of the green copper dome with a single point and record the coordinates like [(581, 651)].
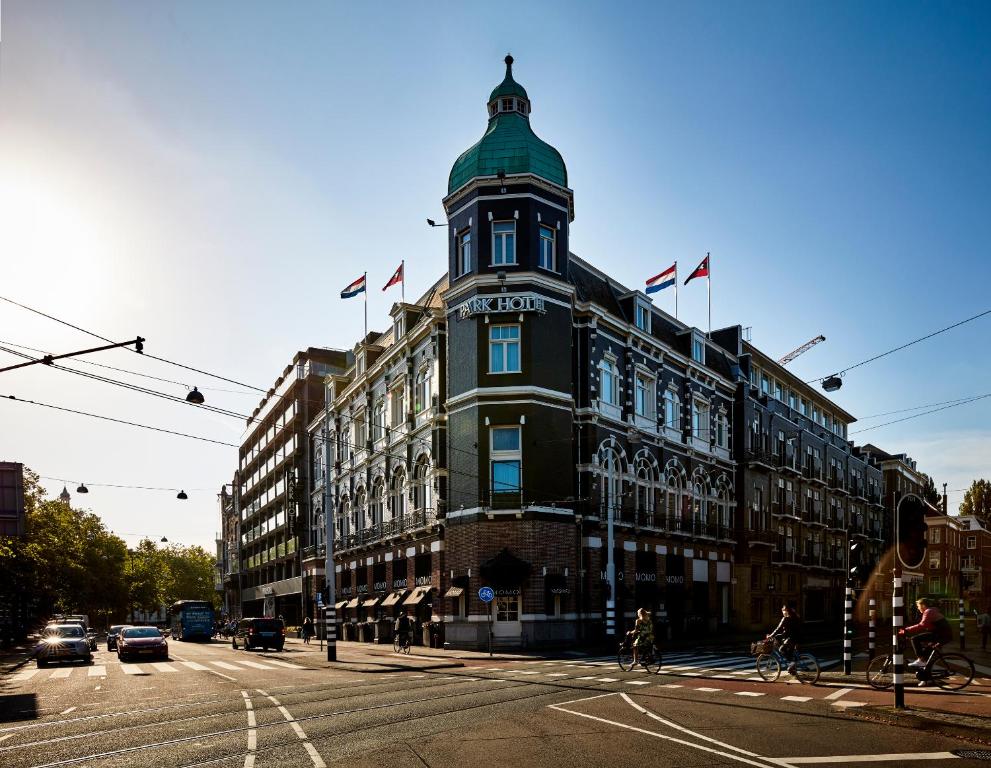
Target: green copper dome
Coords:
[(509, 143)]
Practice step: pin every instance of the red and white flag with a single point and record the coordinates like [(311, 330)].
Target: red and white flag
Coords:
[(702, 270), (397, 277)]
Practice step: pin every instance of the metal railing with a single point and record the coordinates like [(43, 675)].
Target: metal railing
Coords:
[(411, 521)]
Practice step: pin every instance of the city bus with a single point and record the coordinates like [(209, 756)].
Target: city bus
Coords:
[(191, 620)]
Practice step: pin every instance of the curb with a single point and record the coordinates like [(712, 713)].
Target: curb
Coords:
[(966, 727)]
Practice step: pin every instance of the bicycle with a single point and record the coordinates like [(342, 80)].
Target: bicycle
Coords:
[(950, 671), (401, 643), (805, 667), (648, 658)]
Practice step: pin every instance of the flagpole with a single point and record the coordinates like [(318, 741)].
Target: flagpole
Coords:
[(708, 284), (402, 283), (365, 337), (676, 290)]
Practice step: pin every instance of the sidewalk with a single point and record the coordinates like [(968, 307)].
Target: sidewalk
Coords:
[(416, 652), (16, 657)]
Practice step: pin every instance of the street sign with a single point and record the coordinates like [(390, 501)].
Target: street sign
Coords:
[(486, 594)]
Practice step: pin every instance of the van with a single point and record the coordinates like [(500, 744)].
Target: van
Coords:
[(259, 633)]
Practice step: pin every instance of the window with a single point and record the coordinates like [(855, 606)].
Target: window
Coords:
[(421, 397), (672, 410), (504, 349), (464, 252), (397, 406), (505, 459), (971, 542), (608, 383), (378, 420), (700, 420), (421, 485), (765, 383), (935, 584), (397, 328), (792, 401), (360, 431), (934, 560), (778, 392), (755, 577), (805, 407), (507, 608), (935, 536), (503, 242), (698, 352), (644, 395), (722, 430), (643, 317), (397, 495), (546, 259), (756, 610)]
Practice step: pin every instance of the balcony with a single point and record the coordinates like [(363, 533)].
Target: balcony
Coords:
[(763, 536), (412, 521), (783, 509), (761, 457), (654, 521)]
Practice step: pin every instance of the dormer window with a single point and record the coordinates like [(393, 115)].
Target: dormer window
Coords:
[(698, 355), (643, 317), (397, 328)]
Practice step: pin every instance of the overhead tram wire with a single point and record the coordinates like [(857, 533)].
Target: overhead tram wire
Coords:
[(143, 354), (959, 400), (925, 413), (132, 373), (118, 421), (112, 485), (903, 346)]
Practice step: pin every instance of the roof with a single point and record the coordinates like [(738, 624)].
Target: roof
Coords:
[(508, 86)]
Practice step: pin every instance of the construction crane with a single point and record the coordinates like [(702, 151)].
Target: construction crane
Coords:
[(801, 350)]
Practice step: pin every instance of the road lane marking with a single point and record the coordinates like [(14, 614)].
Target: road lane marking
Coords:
[(849, 704), (98, 671), (300, 733), (657, 735), (27, 674), (673, 685), (225, 665), (193, 665), (58, 674), (638, 682), (130, 669), (161, 666), (67, 711), (221, 674), (588, 698), (709, 690), (8, 736), (252, 664), (866, 758), (747, 693), (608, 679), (249, 758), (796, 698), (839, 694), (285, 664), (557, 674)]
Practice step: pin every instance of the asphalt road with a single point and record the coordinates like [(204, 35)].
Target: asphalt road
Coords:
[(212, 706)]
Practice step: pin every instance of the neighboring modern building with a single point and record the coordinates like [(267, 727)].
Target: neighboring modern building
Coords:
[(273, 500), (806, 493)]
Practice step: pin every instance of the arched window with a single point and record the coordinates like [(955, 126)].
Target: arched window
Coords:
[(375, 507), (378, 420), (358, 512), (319, 531), (612, 484), (645, 492), (672, 502), (397, 494), (421, 396), (344, 519), (421, 485), (700, 506), (608, 383)]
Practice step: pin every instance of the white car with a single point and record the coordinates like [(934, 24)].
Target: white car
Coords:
[(63, 642)]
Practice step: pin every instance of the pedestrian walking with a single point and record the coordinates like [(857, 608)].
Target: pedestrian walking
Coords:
[(984, 626), (306, 632)]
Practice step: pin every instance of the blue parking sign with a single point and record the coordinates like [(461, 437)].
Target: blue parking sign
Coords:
[(486, 594)]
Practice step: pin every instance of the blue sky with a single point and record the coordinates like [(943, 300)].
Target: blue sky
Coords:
[(211, 175)]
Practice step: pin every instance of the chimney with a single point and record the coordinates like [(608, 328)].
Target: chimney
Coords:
[(944, 498)]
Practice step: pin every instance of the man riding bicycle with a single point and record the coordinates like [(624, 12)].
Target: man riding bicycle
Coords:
[(932, 628), (789, 630), (404, 628)]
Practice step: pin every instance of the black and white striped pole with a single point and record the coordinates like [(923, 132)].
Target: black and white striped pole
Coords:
[(963, 638), (871, 629), (330, 575), (848, 630), (611, 500), (897, 654)]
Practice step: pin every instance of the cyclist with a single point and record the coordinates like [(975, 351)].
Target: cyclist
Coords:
[(403, 627), (932, 628), (789, 629), (642, 634)]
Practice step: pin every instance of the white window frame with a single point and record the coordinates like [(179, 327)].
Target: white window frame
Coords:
[(360, 425), (607, 368), (463, 246), (503, 457), (644, 397), (642, 312), (505, 344), (543, 246), (421, 397), (700, 408), (500, 243), (698, 344), (397, 392), (971, 542), (672, 413), (378, 420)]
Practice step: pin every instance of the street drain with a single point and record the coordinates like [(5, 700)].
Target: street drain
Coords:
[(973, 754)]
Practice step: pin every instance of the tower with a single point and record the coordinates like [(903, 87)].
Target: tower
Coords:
[(64, 496)]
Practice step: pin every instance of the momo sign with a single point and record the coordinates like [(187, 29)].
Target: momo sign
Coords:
[(484, 305)]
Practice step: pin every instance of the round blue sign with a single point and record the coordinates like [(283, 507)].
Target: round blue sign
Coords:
[(486, 594)]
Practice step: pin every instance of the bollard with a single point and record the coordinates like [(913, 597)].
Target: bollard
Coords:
[(871, 626), (897, 656), (848, 631), (963, 639)]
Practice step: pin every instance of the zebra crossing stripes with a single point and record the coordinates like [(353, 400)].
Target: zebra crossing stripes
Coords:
[(146, 668)]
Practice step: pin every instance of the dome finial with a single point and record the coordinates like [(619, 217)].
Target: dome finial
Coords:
[(509, 64)]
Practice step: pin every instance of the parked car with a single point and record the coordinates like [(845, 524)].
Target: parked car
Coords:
[(62, 642), (91, 638), (112, 635), (259, 633), (142, 642)]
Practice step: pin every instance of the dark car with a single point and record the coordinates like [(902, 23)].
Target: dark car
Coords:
[(141, 642), (112, 635), (259, 633), (63, 642)]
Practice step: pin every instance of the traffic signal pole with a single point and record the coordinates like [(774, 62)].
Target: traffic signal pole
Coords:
[(330, 575), (848, 630), (897, 622)]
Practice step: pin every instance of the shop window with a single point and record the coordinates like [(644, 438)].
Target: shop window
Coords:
[(507, 608)]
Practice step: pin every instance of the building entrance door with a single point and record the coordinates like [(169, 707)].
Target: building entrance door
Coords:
[(506, 622)]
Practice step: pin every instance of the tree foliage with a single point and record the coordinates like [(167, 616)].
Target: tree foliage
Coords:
[(977, 501), (929, 492)]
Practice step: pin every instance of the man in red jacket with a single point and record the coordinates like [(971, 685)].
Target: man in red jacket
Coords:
[(932, 628)]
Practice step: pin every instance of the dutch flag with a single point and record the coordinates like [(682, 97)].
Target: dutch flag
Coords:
[(358, 286), (666, 279)]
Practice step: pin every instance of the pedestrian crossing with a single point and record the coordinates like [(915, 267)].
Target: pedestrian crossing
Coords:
[(148, 668)]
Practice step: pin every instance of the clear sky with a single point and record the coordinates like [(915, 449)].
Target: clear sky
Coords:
[(210, 175)]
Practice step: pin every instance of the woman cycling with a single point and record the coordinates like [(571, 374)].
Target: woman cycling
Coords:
[(789, 630), (642, 634)]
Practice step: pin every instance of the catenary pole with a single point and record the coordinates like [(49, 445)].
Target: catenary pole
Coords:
[(610, 562), (897, 655), (848, 630), (330, 576), (871, 629)]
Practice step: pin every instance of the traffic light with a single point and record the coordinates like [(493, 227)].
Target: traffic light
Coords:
[(910, 531), (858, 563)]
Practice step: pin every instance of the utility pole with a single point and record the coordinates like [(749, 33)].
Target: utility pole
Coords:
[(330, 576)]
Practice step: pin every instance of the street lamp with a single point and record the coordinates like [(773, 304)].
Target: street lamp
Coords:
[(181, 496), (82, 488), (195, 397)]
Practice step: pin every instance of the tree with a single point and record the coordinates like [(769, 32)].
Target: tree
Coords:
[(145, 570), (929, 492), (189, 574), (977, 501)]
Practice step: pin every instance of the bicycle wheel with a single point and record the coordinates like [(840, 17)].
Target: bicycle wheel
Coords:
[(768, 667), (397, 644), (880, 673), (652, 661), (625, 657), (806, 669), (952, 671), (407, 645)]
